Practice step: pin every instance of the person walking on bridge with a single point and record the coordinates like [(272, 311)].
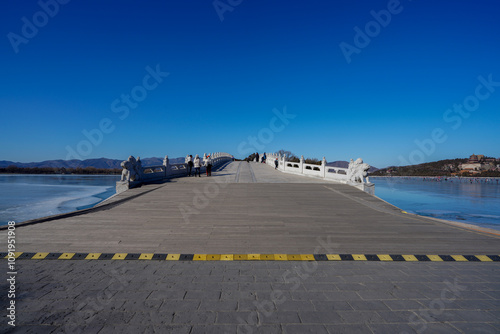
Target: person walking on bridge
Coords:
[(197, 165), (189, 162), (208, 165)]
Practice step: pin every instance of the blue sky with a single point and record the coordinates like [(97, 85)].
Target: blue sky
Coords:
[(371, 79)]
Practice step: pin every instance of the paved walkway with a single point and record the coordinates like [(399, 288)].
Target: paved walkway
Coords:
[(251, 208), (256, 297)]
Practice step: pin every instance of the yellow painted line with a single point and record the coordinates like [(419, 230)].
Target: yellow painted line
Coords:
[(409, 257), (93, 256), (483, 258), (16, 255), (384, 257), (459, 258), (173, 257), (359, 257), (240, 257), (39, 256), (66, 256), (146, 256), (119, 256)]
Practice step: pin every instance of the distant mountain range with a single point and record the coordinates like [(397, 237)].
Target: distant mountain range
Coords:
[(96, 163)]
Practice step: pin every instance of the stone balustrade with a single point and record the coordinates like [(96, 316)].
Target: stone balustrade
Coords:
[(134, 174), (355, 174)]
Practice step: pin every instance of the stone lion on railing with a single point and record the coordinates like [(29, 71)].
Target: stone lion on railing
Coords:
[(357, 170), (131, 169)]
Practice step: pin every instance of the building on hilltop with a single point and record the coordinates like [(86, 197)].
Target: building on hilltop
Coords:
[(478, 163)]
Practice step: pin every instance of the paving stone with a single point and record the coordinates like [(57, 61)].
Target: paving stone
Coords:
[(342, 295), (399, 305), (319, 317), (238, 295), (295, 305), (360, 317), (117, 328), (195, 317), (147, 318), (137, 306), (305, 328), (255, 305), (283, 317), (436, 328), (179, 305), (401, 317), (392, 328), (202, 295), (345, 328), (474, 327), (218, 305), (167, 294), (173, 329), (237, 318), (214, 329), (364, 305), (260, 329), (331, 305), (475, 316)]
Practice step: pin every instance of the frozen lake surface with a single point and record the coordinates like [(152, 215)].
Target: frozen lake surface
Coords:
[(25, 197), (468, 200)]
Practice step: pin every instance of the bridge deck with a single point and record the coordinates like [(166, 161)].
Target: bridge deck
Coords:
[(251, 208)]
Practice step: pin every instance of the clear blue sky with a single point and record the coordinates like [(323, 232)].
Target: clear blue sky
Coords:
[(371, 94)]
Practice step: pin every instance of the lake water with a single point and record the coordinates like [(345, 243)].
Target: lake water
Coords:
[(467, 200), (25, 197)]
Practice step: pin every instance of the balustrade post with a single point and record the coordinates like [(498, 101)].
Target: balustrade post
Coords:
[(323, 167)]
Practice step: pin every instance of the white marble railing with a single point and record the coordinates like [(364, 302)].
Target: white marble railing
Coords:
[(355, 174), (134, 174)]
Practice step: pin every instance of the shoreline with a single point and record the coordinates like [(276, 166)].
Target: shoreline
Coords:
[(438, 177)]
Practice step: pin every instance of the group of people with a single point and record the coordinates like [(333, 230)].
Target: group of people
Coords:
[(262, 159), (196, 164)]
